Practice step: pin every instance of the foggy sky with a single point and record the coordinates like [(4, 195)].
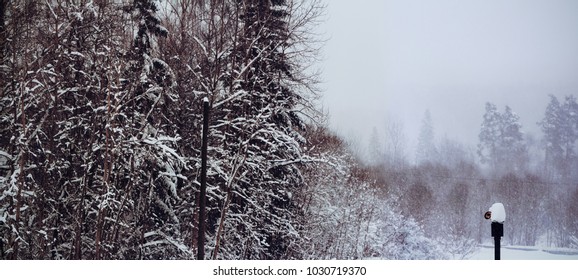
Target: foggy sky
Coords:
[(396, 59)]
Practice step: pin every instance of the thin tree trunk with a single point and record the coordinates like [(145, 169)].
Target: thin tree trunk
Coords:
[(226, 206), (15, 244)]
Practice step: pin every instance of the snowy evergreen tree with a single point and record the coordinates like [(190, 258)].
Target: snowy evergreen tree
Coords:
[(426, 149), (375, 149), (559, 125), (512, 143), (395, 145), (262, 131), (502, 143), (145, 167), (248, 62), (551, 125), (489, 135)]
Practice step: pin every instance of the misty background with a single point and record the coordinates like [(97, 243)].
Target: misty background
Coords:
[(390, 61)]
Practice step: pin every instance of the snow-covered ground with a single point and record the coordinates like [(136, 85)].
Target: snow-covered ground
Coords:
[(486, 252)]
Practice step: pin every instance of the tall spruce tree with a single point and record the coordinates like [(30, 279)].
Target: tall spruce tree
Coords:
[(262, 134), (502, 143), (489, 135), (144, 169), (426, 149), (560, 127), (512, 143)]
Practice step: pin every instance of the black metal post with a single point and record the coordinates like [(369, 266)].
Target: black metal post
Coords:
[(497, 247), (497, 233), (203, 194)]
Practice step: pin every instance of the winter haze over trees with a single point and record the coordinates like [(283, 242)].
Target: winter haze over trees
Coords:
[(451, 60), (101, 116)]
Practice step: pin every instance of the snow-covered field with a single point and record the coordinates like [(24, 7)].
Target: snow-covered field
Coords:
[(486, 252)]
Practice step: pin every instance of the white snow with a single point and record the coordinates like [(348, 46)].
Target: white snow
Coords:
[(5, 154), (498, 212), (77, 54), (486, 252)]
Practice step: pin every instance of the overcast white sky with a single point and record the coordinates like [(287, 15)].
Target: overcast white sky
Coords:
[(395, 59)]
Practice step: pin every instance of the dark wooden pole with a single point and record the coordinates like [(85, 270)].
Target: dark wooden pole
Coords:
[(203, 194)]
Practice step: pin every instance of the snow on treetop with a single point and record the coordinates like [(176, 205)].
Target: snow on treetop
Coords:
[(498, 212), (206, 100)]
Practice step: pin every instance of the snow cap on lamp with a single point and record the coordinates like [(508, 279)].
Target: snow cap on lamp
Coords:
[(498, 213)]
